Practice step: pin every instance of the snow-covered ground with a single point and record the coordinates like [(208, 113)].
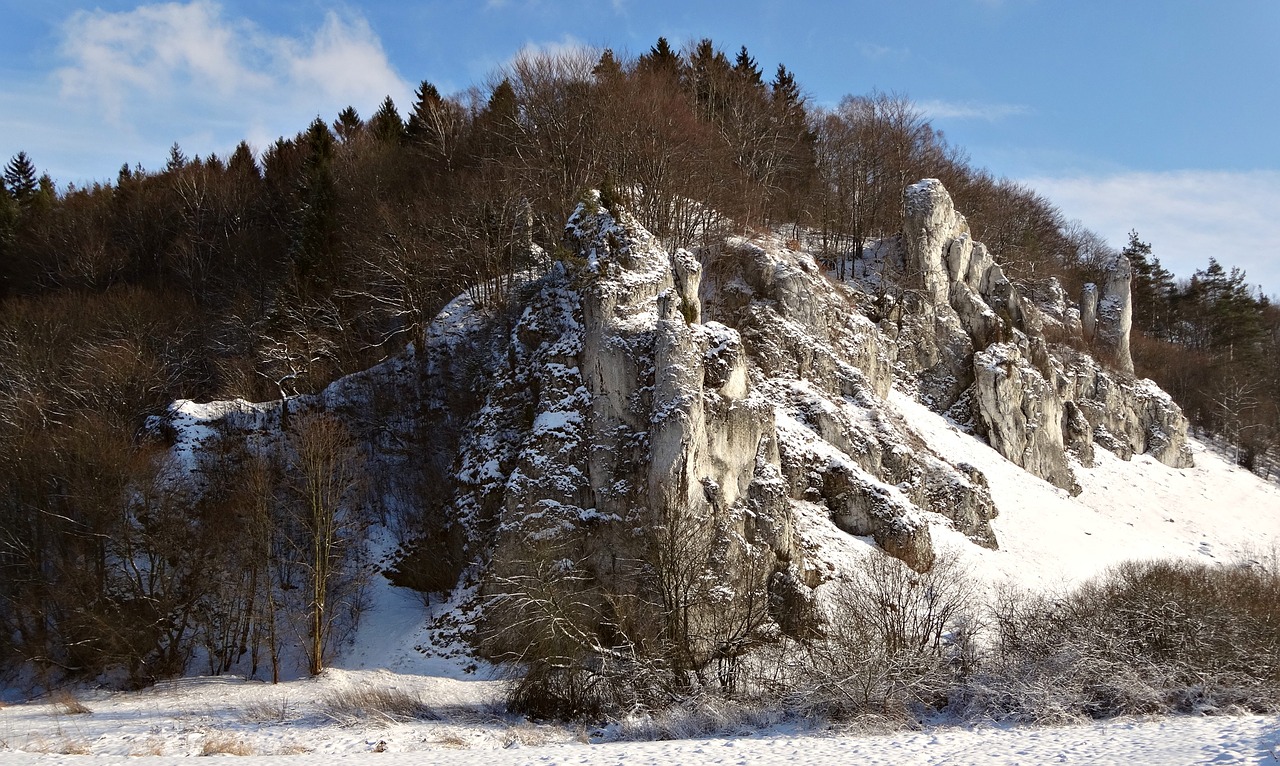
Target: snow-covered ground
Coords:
[(1137, 509)]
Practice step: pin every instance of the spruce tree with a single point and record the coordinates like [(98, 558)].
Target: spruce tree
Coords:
[(348, 124), (386, 124), (427, 100), (20, 177), (315, 232), (747, 68), (8, 226), (607, 67), (1152, 287), (661, 59), (242, 163), (177, 160)]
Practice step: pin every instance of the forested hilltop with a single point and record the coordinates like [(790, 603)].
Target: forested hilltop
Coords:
[(269, 276)]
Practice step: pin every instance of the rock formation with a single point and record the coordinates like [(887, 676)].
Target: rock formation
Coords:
[(632, 410), (1032, 399)]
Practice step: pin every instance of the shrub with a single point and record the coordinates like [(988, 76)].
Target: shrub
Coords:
[(895, 640), (1145, 637)]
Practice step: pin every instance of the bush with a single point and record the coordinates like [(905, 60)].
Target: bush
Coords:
[(895, 640), (1145, 637)]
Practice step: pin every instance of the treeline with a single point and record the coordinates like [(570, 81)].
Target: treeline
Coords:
[(268, 275), (1213, 342)]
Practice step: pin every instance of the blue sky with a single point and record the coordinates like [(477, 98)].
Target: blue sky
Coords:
[(1159, 115)]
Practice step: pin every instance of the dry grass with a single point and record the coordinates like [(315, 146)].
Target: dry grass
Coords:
[(526, 735), (294, 748), (152, 746), (69, 703), (377, 704), (453, 741), (225, 744), (277, 710), (59, 747)]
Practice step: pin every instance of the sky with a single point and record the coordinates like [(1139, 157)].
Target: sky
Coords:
[(1152, 115)]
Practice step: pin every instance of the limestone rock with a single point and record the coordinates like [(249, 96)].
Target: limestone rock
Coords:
[(1023, 399)]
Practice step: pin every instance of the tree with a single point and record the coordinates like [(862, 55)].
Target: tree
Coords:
[(20, 177), (348, 125), (386, 125), (1152, 287), (661, 59), (608, 67), (176, 161), (745, 66), (315, 235), (8, 227), (436, 127), (327, 466)]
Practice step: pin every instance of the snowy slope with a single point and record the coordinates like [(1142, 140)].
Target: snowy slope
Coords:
[(1139, 509)]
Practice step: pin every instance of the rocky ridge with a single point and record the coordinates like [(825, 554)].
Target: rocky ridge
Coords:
[(632, 403)]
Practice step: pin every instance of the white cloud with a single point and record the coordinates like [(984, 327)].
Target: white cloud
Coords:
[(971, 110), (1188, 216), (185, 71)]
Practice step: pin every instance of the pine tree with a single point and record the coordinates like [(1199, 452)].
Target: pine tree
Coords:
[(661, 59), (747, 68), (1152, 287), (348, 125), (386, 124), (20, 177), (607, 67)]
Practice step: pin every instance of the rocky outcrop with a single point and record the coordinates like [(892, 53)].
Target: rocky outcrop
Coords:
[(639, 423), (1114, 316), (1034, 400)]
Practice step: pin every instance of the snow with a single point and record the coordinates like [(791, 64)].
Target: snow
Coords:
[(1135, 509), (1140, 509), (407, 643)]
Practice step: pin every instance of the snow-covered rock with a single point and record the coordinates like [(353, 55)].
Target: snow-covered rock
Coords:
[(734, 400), (1032, 399)]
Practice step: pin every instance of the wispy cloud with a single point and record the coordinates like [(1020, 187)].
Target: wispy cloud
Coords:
[(1188, 216), (972, 110), (186, 70), (876, 51)]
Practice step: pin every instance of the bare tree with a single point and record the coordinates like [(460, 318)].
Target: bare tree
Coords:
[(327, 466)]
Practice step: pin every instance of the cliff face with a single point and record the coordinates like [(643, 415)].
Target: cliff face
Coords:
[(633, 409), (1035, 400)]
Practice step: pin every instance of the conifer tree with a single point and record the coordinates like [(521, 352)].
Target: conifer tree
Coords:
[(747, 68), (786, 93), (608, 67), (8, 225), (20, 177), (177, 160), (348, 124), (661, 59), (316, 225), (1152, 286), (242, 163), (386, 124), (427, 100)]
